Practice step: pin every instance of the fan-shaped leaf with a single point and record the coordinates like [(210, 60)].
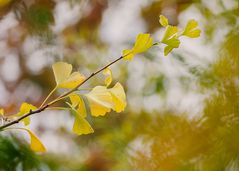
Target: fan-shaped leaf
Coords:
[(36, 144), (191, 29), (78, 103), (118, 97), (100, 101), (24, 109), (163, 20), (108, 73), (143, 43), (63, 76), (81, 126)]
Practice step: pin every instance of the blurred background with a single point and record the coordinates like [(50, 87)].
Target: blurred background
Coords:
[(182, 112)]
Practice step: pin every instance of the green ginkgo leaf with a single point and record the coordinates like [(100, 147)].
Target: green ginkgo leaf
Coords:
[(170, 32), (170, 39), (163, 20), (167, 50), (173, 42), (191, 29)]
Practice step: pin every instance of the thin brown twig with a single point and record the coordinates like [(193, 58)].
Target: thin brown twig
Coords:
[(42, 108)]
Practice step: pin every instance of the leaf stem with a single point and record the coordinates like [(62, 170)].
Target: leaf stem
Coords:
[(56, 108), (49, 95)]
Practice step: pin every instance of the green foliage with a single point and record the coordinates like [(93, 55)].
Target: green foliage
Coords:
[(15, 155), (39, 18)]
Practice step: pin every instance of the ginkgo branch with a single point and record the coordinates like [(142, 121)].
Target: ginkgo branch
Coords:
[(101, 99), (43, 107), (89, 77), (24, 116)]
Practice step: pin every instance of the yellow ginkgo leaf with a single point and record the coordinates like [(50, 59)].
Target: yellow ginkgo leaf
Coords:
[(75, 99), (25, 108), (191, 29), (163, 20), (100, 101), (63, 76), (78, 103), (81, 126), (74, 79), (4, 3), (36, 144), (128, 54), (119, 97), (143, 43), (108, 73), (61, 71)]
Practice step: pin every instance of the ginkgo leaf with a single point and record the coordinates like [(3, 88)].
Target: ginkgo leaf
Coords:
[(36, 144), (169, 33), (194, 34), (170, 39), (192, 24), (173, 42), (191, 29), (143, 43), (118, 97), (163, 20), (172, 34), (100, 101), (78, 103), (108, 73), (167, 50), (75, 99), (24, 109), (63, 76), (81, 126), (74, 79), (61, 71), (128, 54)]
